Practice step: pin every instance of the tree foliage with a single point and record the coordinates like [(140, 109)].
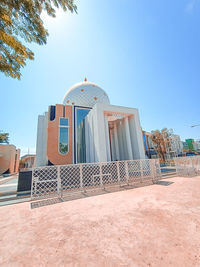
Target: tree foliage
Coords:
[(162, 141), (4, 138), (21, 20)]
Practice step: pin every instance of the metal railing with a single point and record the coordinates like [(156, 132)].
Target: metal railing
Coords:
[(187, 166), (54, 181)]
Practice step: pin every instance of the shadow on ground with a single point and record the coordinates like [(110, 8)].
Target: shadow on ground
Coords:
[(165, 183), (78, 195)]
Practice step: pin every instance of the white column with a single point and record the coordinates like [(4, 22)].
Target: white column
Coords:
[(99, 134), (112, 145), (92, 147), (87, 140), (116, 142), (128, 139), (136, 137), (107, 139), (126, 156), (42, 136), (121, 141)]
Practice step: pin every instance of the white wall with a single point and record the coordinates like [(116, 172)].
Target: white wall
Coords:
[(97, 141), (41, 145)]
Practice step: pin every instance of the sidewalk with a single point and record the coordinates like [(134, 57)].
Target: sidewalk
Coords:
[(157, 225)]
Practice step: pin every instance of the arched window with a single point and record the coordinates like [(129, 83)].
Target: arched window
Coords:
[(63, 136)]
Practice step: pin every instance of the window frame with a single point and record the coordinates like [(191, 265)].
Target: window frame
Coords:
[(59, 128), (63, 126), (76, 108)]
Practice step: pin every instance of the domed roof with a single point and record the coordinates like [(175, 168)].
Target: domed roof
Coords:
[(85, 94)]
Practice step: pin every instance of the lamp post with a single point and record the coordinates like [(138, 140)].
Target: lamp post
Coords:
[(195, 125)]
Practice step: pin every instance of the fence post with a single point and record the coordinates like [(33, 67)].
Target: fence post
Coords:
[(59, 189), (118, 172), (126, 169), (155, 170), (152, 162), (141, 171), (193, 166), (186, 167), (81, 176), (182, 168), (175, 163), (33, 185), (189, 172), (101, 176), (198, 165)]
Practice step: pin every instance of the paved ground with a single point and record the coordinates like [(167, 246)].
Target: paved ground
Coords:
[(156, 225)]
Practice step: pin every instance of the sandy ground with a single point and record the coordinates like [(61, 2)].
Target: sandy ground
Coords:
[(155, 225)]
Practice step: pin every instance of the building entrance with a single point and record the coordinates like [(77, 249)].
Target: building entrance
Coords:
[(119, 136)]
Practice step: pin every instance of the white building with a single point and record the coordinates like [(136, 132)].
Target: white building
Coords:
[(196, 145), (176, 144), (86, 128)]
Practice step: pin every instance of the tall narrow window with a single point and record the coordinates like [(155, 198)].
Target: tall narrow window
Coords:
[(81, 113), (64, 136)]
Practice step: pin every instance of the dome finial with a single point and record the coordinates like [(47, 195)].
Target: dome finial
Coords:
[(85, 80)]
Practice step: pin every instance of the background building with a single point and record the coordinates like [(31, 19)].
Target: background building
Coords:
[(197, 145), (185, 146), (27, 161), (150, 150), (190, 144), (172, 144), (176, 144), (9, 159), (86, 128)]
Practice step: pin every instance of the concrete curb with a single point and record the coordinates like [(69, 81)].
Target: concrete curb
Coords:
[(4, 180), (8, 193)]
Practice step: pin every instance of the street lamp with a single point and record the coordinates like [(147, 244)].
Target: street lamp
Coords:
[(195, 125)]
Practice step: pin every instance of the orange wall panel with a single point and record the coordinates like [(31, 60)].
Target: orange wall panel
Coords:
[(53, 137)]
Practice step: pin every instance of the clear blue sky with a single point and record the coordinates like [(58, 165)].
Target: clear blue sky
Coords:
[(144, 54)]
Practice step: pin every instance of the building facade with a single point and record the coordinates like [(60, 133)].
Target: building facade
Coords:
[(9, 159), (176, 144), (27, 161), (197, 145), (86, 128), (150, 150), (192, 145), (172, 143)]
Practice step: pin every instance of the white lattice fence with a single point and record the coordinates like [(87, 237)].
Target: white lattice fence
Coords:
[(57, 180), (187, 166)]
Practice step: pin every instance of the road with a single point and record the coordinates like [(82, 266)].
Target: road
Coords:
[(9, 185), (8, 192)]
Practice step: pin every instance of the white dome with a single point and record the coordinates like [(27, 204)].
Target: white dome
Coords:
[(85, 94)]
